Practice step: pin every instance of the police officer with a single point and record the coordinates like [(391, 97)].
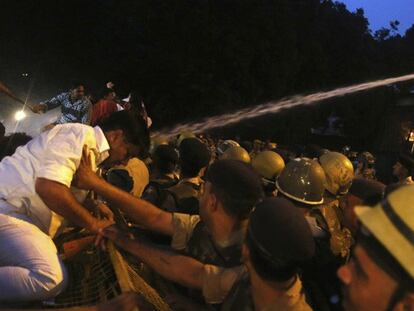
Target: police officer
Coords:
[(303, 182), (268, 165), (194, 156), (230, 191), (278, 242), (163, 176), (362, 192), (236, 153), (164, 165), (380, 275), (339, 174)]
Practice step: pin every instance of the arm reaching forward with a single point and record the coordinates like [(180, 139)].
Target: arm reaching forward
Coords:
[(175, 267), (142, 212)]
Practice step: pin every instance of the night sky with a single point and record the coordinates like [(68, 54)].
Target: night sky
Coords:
[(57, 42), (381, 12)]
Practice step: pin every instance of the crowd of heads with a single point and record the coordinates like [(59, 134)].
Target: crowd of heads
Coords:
[(301, 186), (317, 214)]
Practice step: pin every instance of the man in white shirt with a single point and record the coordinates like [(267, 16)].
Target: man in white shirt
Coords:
[(37, 200)]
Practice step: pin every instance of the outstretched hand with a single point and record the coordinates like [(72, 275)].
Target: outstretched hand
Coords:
[(115, 235), (38, 108)]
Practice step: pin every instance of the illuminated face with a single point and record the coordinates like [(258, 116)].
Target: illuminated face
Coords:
[(366, 287), (120, 149), (110, 96), (78, 92)]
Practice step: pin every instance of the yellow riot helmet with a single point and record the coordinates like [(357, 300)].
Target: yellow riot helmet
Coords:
[(339, 172), (236, 153), (268, 164)]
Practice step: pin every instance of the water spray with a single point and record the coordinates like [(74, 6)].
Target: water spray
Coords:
[(275, 107)]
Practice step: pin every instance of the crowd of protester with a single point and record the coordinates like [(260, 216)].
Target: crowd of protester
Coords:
[(226, 224)]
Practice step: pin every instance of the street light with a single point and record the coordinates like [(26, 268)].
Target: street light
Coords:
[(19, 115)]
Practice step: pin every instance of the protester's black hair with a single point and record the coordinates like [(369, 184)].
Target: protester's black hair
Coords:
[(165, 159), (194, 155), (136, 100), (134, 127), (105, 92), (188, 170), (76, 84)]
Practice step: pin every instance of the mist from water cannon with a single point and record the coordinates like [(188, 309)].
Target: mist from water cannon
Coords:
[(30, 123), (274, 107)]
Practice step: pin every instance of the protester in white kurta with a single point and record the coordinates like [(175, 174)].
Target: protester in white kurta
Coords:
[(30, 268)]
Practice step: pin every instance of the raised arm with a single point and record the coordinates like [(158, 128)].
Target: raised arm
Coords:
[(142, 212)]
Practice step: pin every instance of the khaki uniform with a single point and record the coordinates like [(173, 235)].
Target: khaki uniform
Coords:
[(330, 217), (232, 288), (332, 250), (187, 193), (191, 237), (187, 187)]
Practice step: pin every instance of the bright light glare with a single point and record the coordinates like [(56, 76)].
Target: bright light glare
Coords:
[(20, 115), (411, 137)]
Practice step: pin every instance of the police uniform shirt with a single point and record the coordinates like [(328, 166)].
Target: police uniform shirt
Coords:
[(187, 187), (184, 226), (218, 285)]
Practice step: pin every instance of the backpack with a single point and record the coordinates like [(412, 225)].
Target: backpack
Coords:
[(157, 193)]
